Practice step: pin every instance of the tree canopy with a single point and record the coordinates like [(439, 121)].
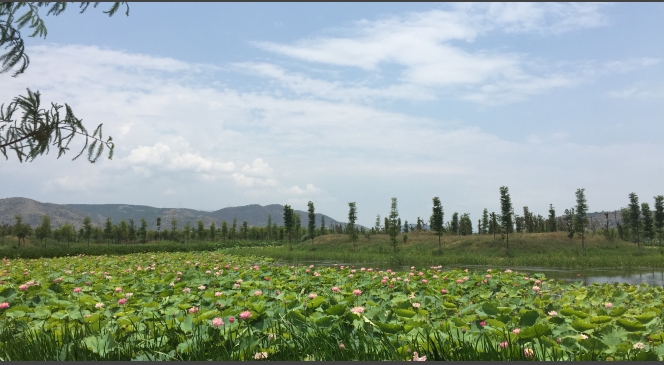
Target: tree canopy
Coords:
[(32, 134)]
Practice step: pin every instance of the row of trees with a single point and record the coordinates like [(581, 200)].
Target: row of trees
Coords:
[(638, 223)]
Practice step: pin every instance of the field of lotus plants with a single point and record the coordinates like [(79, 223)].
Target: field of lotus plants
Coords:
[(214, 306)]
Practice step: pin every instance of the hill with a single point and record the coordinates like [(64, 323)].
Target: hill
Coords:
[(32, 211)]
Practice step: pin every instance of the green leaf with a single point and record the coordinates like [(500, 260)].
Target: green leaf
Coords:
[(644, 318), (535, 331), (101, 345), (631, 326), (316, 302), (449, 305), (490, 309), (188, 324), (617, 312), (326, 321), (404, 313), (495, 323), (581, 325), (572, 312), (600, 319), (336, 310), (390, 327), (528, 318), (15, 314)]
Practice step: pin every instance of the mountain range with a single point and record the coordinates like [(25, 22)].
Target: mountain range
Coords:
[(32, 211)]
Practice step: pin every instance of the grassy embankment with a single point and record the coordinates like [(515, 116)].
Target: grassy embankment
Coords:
[(553, 250)]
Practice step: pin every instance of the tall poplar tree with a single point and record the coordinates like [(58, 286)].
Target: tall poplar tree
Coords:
[(377, 225), (87, 229), (552, 219), (352, 217), (323, 230), (437, 220), (506, 213), (224, 230), (213, 231), (288, 224), (659, 218), (108, 230), (143, 231), (581, 216), (312, 222), (174, 229), (394, 228), (485, 221), (158, 228), (455, 223), (233, 228), (648, 229), (635, 217), (269, 227), (44, 229), (494, 224)]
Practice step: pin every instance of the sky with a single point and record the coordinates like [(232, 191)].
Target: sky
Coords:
[(213, 105)]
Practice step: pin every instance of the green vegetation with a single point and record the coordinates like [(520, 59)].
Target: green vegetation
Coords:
[(552, 250), (214, 306)]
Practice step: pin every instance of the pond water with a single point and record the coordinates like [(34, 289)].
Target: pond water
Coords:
[(586, 276)]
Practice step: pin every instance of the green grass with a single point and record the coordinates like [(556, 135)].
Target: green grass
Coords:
[(550, 250)]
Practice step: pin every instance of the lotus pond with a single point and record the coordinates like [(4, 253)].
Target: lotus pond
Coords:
[(215, 306)]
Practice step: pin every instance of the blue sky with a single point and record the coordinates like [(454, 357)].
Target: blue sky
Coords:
[(226, 104)]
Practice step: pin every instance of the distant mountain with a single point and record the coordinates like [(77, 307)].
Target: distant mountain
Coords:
[(32, 212)]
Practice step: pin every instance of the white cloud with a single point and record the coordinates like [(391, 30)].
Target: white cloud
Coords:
[(250, 182), (161, 156), (426, 48), (187, 138), (309, 189), (258, 167)]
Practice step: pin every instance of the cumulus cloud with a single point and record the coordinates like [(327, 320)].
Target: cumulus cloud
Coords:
[(309, 189), (162, 157)]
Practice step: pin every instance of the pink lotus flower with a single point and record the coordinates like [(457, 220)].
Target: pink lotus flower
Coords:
[(528, 353), (77, 290), (482, 324), (231, 319), (193, 310), (172, 284), (516, 330), (118, 289), (316, 273), (186, 290), (411, 274), (416, 358), (638, 346), (553, 313), (459, 281), (23, 287), (487, 276), (508, 271), (202, 287), (122, 301), (444, 291), (4, 305), (236, 285), (99, 305), (257, 293), (267, 278), (416, 305), (504, 344), (357, 310), (583, 336), (342, 346), (536, 288), (260, 355), (245, 315), (357, 292), (424, 281), (608, 305), (313, 296), (218, 294)]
